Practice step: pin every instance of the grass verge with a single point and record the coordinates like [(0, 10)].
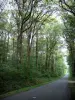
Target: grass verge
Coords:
[(43, 82), (71, 84)]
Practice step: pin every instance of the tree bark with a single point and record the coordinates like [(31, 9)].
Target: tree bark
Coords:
[(46, 61), (19, 48), (37, 50)]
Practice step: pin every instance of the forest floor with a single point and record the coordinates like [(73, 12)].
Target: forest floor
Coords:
[(57, 90), (71, 83)]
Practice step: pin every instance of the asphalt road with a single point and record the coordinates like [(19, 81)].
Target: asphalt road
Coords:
[(57, 90)]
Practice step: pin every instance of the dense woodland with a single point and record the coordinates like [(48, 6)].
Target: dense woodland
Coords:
[(31, 44)]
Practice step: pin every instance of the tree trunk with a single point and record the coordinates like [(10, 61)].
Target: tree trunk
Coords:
[(28, 53), (37, 50), (8, 43), (5, 48), (28, 57), (46, 61), (13, 45), (19, 48)]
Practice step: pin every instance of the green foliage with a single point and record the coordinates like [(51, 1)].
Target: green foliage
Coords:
[(29, 50), (70, 39)]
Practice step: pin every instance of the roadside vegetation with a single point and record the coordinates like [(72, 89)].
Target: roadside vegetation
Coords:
[(69, 30), (33, 34)]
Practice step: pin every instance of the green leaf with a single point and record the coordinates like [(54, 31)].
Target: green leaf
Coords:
[(46, 0)]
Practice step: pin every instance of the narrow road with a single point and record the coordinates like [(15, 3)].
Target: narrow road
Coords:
[(57, 90)]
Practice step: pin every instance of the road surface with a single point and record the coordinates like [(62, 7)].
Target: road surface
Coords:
[(57, 90)]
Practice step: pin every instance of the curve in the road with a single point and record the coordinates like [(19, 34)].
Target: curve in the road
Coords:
[(57, 90)]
